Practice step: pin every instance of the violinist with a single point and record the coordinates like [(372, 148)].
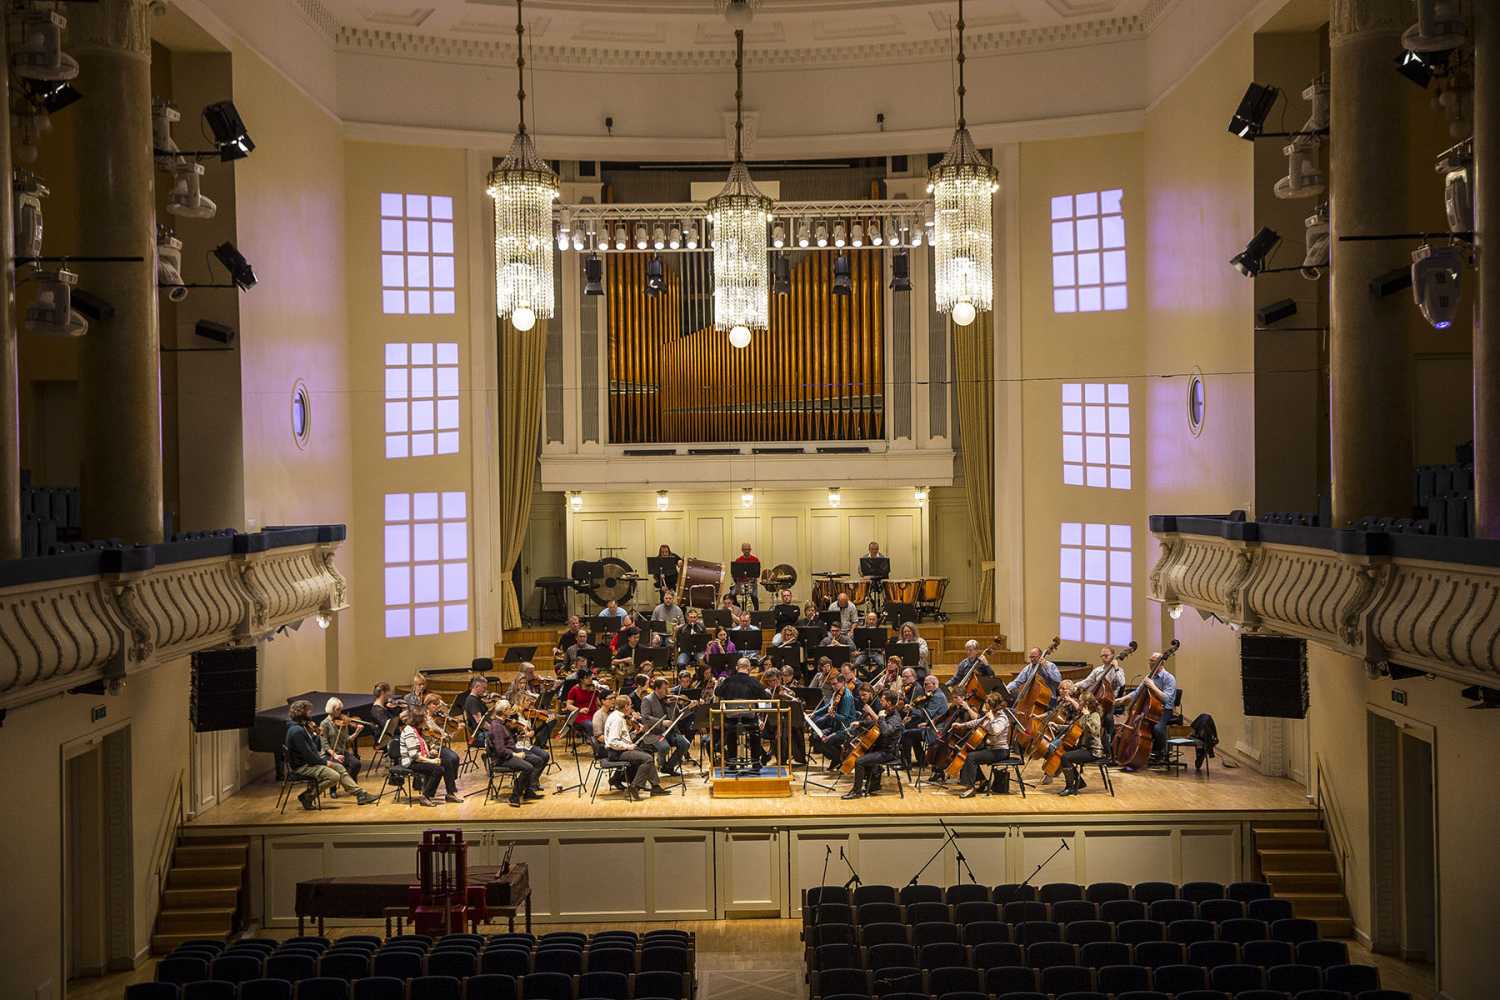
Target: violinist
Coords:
[(926, 709), (567, 637), (385, 710), (864, 708), (475, 709), (838, 710), (867, 768), (584, 697), (871, 658), (415, 698), (617, 741), (1107, 676), (506, 754), (526, 682), (1090, 746), (889, 678), (432, 763), (996, 725), (307, 758), (1036, 664), (340, 734), (1161, 682), (973, 660), (671, 746)]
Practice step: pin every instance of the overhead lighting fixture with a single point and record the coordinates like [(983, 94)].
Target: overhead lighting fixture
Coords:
[(674, 237), (29, 192), (620, 237), (230, 137), (739, 13), (1252, 260), (240, 271), (781, 280), (324, 619), (739, 214), (875, 235), (840, 235), (857, 235), (833, 496), (575, 501), (51, 96), (822, 234), (562, 233), (523, 188), (169, 264), (692, 237), (37, 53), (1250, 117), (1315, 240), (919, 495), (1439, 28), (1457, 167), (659, 237), (1437, 283), (662, 500), (593, 275), (778, 236), (901, 271), (963, 187), (1275, 312), (747, 498), (656, 282), (892, 234), (186, 199), (53, 315), (642, 240), (1305, 177), (842, 282), (1421, 67), (1174, 611), (804, 235)]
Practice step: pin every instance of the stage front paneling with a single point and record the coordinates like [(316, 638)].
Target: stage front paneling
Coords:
[(708, 867)]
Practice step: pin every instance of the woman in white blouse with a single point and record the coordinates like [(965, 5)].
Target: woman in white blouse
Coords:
[(909, 633)]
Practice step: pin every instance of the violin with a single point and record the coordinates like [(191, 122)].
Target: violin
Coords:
[(1133, 739)]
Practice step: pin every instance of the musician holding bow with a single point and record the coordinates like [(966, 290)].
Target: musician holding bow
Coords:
[(1160, 682), (1036, 664), (996, 725), (1108, 677), (974, 660), (867, 768), (309, 758), (670, 745), (1090, 748), (926, 709), (340, 734), (506, 754)]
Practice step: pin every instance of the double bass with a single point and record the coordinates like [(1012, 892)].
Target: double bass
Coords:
[(1030, 706), (1133, 737), (973, 690), (1104, 696)]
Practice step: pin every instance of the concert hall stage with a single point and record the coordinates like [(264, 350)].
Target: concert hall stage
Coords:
[(694, 856)]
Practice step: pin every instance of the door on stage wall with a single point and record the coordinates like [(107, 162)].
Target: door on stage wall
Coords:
[(215, 767), (1403, 838)]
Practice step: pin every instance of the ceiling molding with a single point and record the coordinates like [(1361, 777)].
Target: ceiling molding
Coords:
[(319, 17), (411, 45)]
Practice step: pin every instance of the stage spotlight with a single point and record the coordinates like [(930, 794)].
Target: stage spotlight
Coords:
[(164, 115), (857, 235), (739, 13), (240, 271), (842, 281), (1250, 117), (916, 235), (593, 275), (186, 197), (620, 237), (53, 315), (804, 235), (901, 271), (840, 235), (229, 131), (1421, 67), (656, 282), (1275, 312), (1437, 283), (51, 95), (1395, 280), (692, 237), (1315, 239), (822, 234), (642, 240), (169, 264), (781, 278), (37, 53), (1252, 260), (562, 233), (1439, 27), (659, 238), (29, 192), (1457, 168), (1304, 178), (892, 234), (217, 332), (876, 237), (674, 238), (778, 236)]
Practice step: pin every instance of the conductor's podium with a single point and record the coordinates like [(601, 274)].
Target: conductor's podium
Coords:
[(730, 722)]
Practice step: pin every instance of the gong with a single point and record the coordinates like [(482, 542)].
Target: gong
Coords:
[(615, 581)]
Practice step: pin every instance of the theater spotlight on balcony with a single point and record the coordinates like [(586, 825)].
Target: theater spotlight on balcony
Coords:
[(843, 284), (656, 282), (593, 275), (901, 271), (240, 271), (230, 137), (1252, 260), (1250, 117)]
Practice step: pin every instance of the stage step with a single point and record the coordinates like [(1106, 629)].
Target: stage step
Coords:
[(209, 855), (1291, 838), (202, 894), (1295, 859), (1283, 882), (1315, 904), (205, 898), (206, 922), (1300, 860), (219, 877)]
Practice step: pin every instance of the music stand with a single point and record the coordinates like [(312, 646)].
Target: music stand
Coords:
[(600, 658), (660, 628), (786, 614), (810, 635), (519, 654), (723, 662), (876, 567), (608, 623), (867, 638), (787, 656), (839, 655), (692, 642), (659, 656), (746, 640), (744, 572), (830, 618), (909, 652), (717, 618), (660, 567), (768, 619), (900, 614)]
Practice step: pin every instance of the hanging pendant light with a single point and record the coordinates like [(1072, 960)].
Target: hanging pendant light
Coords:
[(523, 187), (962, 186), (739, 215)]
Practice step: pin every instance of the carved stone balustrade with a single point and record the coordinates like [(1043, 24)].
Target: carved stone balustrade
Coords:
[(103, 614), (1420, 601)]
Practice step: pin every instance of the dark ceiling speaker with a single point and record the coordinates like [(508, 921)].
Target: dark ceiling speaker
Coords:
[(1273, 676)]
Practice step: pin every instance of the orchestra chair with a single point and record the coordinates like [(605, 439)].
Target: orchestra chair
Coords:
[(289, 779), (495, 778), (601, 765), (397, 778), (1014, 764)]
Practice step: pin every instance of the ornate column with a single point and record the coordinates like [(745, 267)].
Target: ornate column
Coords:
[(10, 369), (120, 378), (1371, 446), (1487, 284)]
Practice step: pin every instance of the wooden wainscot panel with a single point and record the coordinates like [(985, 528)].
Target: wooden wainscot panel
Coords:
[(1038, 846), (1210, 853), (601, 877), (809, 850), (682, 884), (751, 869), (886, 856), (1129, 855), (289, 860)]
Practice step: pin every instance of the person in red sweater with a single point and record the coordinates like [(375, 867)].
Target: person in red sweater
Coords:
[(585, 698)]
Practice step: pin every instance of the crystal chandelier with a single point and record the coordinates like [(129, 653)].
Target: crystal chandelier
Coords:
[(524, 188), (962, 188), (739, 215)]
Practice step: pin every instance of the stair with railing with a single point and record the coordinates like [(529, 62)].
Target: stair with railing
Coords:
[(204, 892), (1304, 862)]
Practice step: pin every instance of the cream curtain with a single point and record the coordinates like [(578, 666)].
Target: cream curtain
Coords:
[(522, 358), (974, 349)]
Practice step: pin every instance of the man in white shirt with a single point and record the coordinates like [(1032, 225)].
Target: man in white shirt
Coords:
[(1107, 676), (617, 741), (848, 613)]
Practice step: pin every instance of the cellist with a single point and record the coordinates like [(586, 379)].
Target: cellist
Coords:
[(1089, 749), (867, 769), (996, 723), (1065, 708), (1161, 682), (1107, 676), (1035, 664)]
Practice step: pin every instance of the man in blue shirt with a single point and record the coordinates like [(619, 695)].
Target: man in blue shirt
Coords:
[(611, 610), (1051, 676), (927, 707), (1160, 680)]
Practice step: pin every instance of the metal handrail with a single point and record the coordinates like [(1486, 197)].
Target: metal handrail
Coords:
[(1333, 820), (171, 822)]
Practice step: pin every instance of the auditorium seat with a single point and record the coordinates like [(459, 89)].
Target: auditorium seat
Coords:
[(1352, 978), (885, 934), (1023, 996), (1082, 995), (1189, 931), (879, 913), (985, 931), (1179, 978), (1269, 910), (399, 964), (1262, 995), (1235, 978), (181, 970), (554, 959), (1117, 911), (942, 955), (1243, 929), (281, 989), (1098, 954), (1013, 892), (974, 910), (1009, 979), (1123, 978), (345, 965), (234, 968), (1321, 994), (1150, 892), (943, 980), (452, 962), (829, 982), (1069, 910), (1142, 995), (1219, 910), (935, 933), (545, 986), (1138, 931), (1105, 892), (263, 945), (816, 935), (838, 956), (962, 995), (963, 893), (889, 956), (152, 991), (210, 989), (1203, 995), (292, 967), (1248, 891), (514, 939), (1268, 953), (874, 894), (603, 984), (1211, 954), (997, 954), (1294, 929), (1022, 910), (1383, 995), (1169, 910), (1033, 931), (1057, 892), (514, 962), (1293, 978), (900, 981), (1081, 932), (607, 958), (920, 894), (1156, 954), (490, 987), (928, 912), (1067, 979), (830, 913), (1197, 892), (1322, 953)]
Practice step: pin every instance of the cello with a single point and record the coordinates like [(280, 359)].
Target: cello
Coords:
[(1030, 706), (1133, 738)]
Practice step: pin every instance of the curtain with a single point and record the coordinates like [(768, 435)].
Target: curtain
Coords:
[(522, 359), (974, 351)]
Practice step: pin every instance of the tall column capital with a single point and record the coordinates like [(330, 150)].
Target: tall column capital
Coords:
[(118, 26), (1349, 20)]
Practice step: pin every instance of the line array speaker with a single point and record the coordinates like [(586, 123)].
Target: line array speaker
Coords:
[(1273, 676), (224, 689)]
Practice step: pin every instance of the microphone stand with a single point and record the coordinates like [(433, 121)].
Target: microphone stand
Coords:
[(822, 887), (854, 879), (941, 848), (1062, 846), (959, 857)]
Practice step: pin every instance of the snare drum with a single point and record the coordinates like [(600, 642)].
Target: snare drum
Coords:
[(901, 591), (700, 583)]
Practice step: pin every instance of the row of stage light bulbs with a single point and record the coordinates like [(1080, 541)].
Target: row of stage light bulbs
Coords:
[(1428, 51), (919, 496), (672, 236)]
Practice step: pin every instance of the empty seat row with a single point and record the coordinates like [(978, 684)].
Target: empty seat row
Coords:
[(403, 963), (1047, 954), (1115, 911), (1291, 930), (1137, 995), (1052, 892), (1112, 979), (542, 986)]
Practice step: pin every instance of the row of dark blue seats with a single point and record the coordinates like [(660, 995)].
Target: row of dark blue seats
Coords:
[(1115, 911), (1318, 994), (1052, 892), (1112, 979), (1045, 954), (614, 938), (401, 963), (388, 988), (1293, 931)]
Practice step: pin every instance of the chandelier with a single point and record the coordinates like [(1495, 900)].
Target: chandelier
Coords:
[(523, 187), (962, 188), (739, 215)]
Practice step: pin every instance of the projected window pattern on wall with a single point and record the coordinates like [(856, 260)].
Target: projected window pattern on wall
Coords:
[(1088, 252), (426, 564), (1096, 434), (416, 254), (421, 400), (1094, 595)]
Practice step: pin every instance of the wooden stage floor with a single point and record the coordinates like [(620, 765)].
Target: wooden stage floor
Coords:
[(1224, 791)]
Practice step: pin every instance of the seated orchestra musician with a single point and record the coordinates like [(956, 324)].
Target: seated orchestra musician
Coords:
[(580, 649), (974, 660), (476, 712), (1164, 685), (310, 759), (1035, 664), (869, 660), (626, 655), (1107, 676), (692, 625), (786, 607), (847, 612), (1090, 746), (749, 564), (384, 709), (656, 711), (619, 745), (720, 644), (418, 693), (836, 748), (584, 697), (867, 768), (837, 637), (340, 735), (1065, 708), (996, 725), (567, 637), (505, 730), (611, 609), (668, 611), (925, 710), (434, 764), (778, 685), (909, 634), (889, 679), (809, 615)]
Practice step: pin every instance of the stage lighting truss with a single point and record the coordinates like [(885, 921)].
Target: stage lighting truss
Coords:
[(675, 226)]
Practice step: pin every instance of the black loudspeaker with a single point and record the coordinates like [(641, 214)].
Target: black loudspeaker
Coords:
[(224, 687), (1273, 675)]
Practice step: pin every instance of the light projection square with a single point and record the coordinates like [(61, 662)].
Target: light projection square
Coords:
[(416, 254), (1094, 589), (426, 564), (1088, 252), (1096, 434), (421, 400)]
